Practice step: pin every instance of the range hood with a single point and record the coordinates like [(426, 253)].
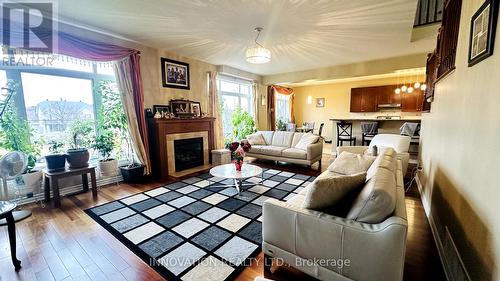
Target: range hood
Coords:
[(389, 105)]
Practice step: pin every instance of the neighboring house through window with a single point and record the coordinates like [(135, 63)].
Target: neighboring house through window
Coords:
[(54, 96)]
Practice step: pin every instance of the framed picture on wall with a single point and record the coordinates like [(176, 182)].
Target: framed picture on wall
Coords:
[(482, 32), (320, 102), (175, 74)]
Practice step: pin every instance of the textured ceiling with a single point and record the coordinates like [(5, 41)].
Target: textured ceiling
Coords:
[(301, 34)]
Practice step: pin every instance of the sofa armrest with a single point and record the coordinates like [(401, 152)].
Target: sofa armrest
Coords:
[(353, 149), (311, 234), (405, 158), (315, 150)]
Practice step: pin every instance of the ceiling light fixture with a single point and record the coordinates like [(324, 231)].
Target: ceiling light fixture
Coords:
[(257, 53)]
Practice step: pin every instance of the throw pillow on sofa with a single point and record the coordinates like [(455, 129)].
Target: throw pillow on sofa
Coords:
[(325, 191), (348, 163), (306, 140), (256, 139)]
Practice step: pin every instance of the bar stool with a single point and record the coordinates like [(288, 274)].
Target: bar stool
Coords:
[(344, 133), (368, 131), (320, 130)]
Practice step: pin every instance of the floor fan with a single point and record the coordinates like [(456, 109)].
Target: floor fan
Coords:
[(12, 165)]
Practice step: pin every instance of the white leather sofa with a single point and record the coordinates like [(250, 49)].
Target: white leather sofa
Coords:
[(399, 143), (317, 243), (280, 146)]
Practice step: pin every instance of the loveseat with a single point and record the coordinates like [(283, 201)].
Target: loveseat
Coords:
[(329, 247), (298, 148)]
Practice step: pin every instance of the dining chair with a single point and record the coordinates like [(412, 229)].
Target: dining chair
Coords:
[(344, 133)]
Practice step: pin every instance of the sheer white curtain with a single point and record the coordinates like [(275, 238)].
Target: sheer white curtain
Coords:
[(215, 106), (124, 82), (283, 108), (255, 102)]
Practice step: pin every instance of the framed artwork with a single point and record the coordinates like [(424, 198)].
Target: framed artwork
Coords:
[(320, 102), (482, 32), (196, 109), (181, 108), (162, 109), (175, 74)]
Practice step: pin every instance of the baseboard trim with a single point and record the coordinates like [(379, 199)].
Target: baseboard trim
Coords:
[(437, 239)]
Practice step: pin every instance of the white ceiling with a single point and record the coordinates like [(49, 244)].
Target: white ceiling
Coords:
[(301, 34)]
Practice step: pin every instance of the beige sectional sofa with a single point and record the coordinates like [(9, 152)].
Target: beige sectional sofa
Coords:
[(281, 146), (359, 246)]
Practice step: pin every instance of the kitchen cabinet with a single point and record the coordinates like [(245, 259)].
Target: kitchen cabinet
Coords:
[(368, 99), (412, 102), (363, 100), (386, 95)]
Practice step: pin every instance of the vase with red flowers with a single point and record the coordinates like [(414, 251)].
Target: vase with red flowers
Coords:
[(238, 152)]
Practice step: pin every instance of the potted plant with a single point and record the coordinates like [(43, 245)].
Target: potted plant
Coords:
[(56, 161), (16, 135), (280, 125), (105, 143), (113, 119), (81, 133)]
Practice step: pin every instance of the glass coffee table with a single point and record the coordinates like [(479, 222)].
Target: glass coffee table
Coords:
[(228, 171)]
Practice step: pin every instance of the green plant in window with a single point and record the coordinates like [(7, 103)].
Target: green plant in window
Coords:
[(15, 132), (112, 118), (280, 125), (55, 147), (243, 123), (82, 133), (105, 143)]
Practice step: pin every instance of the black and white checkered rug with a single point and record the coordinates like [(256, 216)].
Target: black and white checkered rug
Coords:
[(192, 230)]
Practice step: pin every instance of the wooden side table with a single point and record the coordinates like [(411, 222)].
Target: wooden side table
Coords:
[(6, 209), (51, 181)]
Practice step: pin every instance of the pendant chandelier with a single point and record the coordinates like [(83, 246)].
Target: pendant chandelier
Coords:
[(258, 54), (411, 87)]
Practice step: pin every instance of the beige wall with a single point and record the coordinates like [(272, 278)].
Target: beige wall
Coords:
[(460, 156), (337, 102)]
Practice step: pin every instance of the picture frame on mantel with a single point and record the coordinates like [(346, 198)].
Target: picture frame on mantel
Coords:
[(482, 32), (175, 74), (181, 108)]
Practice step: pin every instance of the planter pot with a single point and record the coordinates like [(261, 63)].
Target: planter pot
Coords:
[(28, 184), (133, 174), (108, 168), (78, 158), (55, 162)]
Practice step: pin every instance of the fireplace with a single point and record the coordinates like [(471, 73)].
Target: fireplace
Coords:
[(188, 153), (163, 133)]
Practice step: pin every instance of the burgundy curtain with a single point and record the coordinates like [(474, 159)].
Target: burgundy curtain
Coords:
[(271, 108)]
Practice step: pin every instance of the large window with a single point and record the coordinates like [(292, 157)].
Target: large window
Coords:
[(282, 107), (233, 93), (55, 97)]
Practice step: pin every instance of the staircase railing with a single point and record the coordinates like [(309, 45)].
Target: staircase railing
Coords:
[(428, 12)]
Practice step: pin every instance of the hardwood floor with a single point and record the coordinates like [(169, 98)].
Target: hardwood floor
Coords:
[(66, 244)]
